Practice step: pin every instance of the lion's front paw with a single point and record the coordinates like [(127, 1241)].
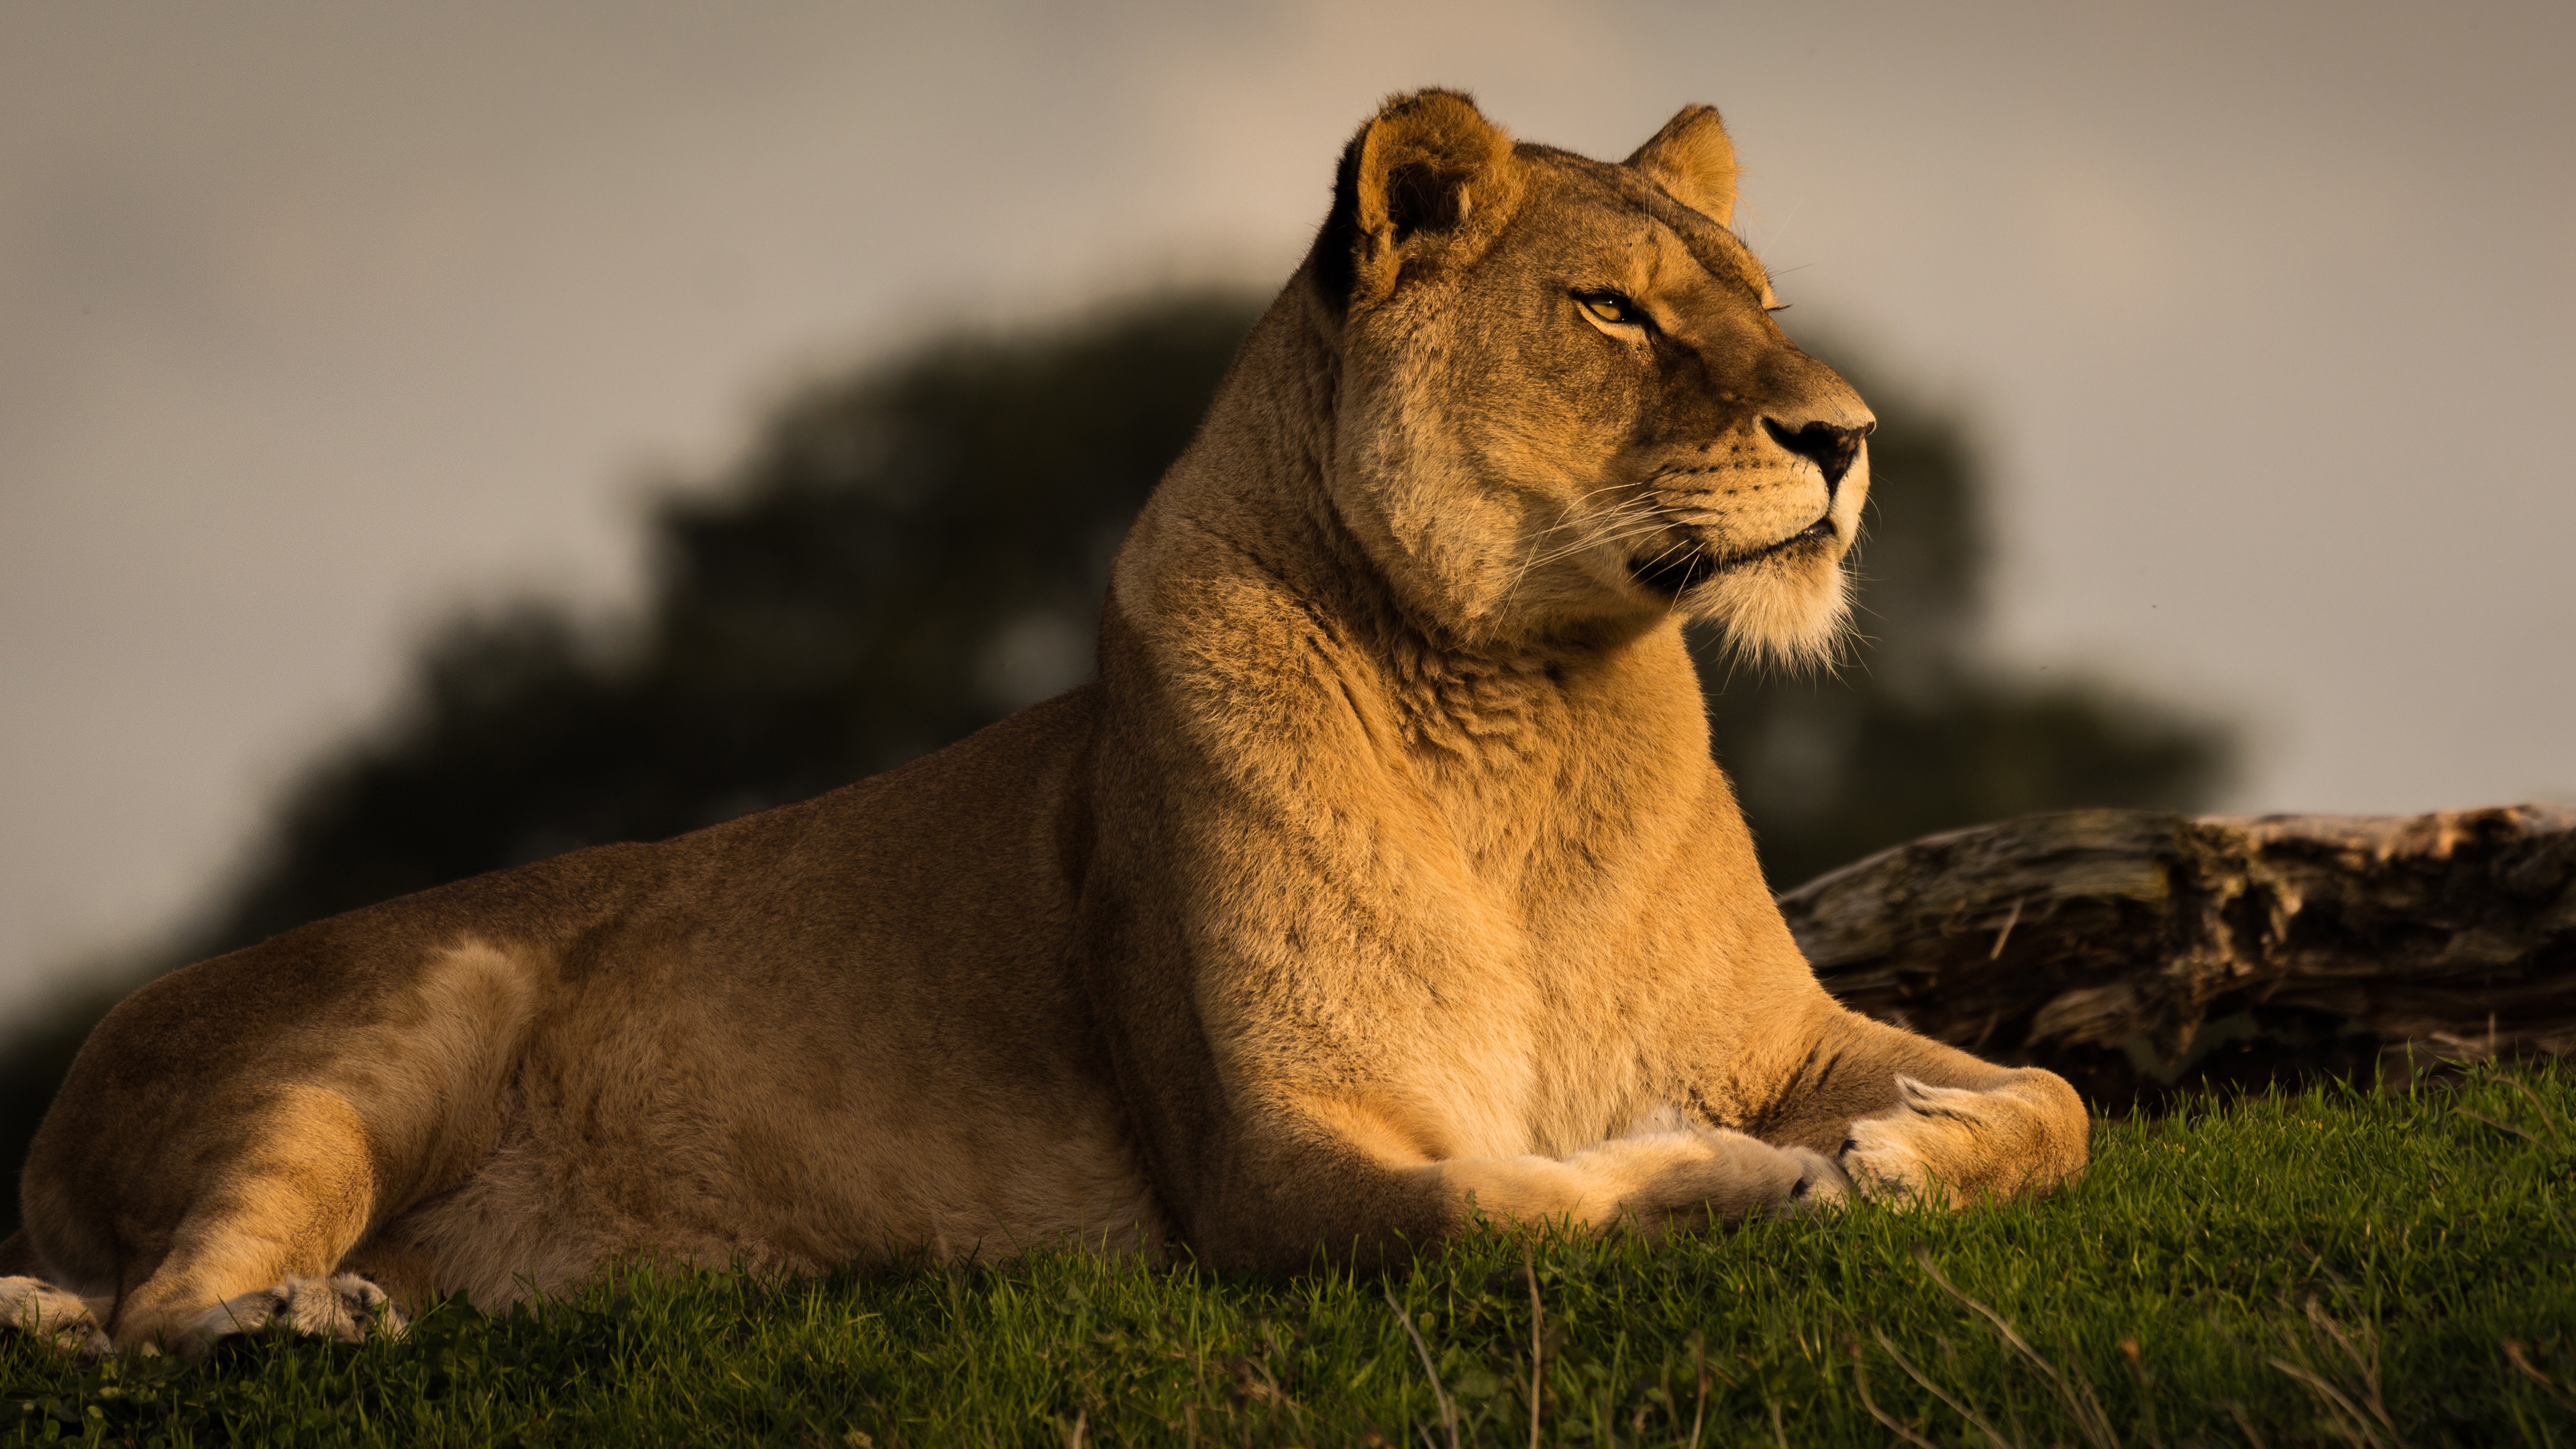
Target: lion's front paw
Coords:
[(1931, 1146), (343, 1309), (1822, 1184), (57, 1319)]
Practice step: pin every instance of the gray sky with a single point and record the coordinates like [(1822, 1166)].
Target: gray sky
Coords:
[(317, 320)]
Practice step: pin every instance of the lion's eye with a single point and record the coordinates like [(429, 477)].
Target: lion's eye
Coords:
[(1610, 307)]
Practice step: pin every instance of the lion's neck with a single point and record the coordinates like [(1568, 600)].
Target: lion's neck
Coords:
[(1486, 723)]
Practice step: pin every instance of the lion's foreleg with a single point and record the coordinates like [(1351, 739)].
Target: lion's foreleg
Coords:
[(1361, 1202), (1907, 1115), (1679, 1177), (52, 1316)]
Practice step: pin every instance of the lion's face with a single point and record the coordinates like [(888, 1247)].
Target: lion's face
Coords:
[(1566, 404)]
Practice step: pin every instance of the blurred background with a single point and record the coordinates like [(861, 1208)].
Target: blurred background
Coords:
[(435, 438)]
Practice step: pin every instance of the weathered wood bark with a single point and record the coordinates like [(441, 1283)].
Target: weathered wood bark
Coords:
[(2137, 952)]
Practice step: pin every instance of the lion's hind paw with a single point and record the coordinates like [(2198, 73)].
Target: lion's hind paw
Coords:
[(61, 1320), (342, 1309)]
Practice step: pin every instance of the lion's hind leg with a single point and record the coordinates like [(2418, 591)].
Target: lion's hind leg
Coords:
[(344, 1308), (262, 1235)]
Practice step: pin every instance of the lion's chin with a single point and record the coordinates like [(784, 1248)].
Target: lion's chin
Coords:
[(1789, 610)]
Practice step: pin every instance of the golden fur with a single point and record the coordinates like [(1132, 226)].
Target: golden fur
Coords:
[(1384, 878)]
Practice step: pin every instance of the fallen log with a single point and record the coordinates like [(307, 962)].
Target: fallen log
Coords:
[(2138, 952)]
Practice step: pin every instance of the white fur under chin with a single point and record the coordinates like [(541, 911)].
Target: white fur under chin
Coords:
[(1782, 613)]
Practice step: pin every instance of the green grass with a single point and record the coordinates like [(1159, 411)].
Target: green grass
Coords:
[(2330, 1267)]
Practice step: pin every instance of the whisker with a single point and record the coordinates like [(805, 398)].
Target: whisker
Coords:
[(1610, 520), (1642, 529)]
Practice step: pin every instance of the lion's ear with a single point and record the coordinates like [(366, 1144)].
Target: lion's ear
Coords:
[(1691, 158), (1413, 178)]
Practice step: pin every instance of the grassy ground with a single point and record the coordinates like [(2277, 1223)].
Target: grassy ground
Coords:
[(2324, 1268)]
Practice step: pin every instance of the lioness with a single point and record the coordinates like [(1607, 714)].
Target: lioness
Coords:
[(1383, 882)]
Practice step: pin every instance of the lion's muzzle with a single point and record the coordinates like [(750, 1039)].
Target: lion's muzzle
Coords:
[(1831, 448)]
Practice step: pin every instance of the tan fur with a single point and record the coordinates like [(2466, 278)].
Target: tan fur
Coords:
[(1692, 158), (1383, 881)]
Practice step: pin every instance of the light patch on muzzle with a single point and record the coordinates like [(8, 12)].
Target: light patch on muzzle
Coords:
[(1790, 609)]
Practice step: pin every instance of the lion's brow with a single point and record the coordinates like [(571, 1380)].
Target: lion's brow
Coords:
[(1733, 263)]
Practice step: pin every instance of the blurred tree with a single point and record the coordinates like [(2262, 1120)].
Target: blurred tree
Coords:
[(915, 551), (905, 556)]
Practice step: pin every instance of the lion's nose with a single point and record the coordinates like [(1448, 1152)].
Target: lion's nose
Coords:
[(1830, 448)]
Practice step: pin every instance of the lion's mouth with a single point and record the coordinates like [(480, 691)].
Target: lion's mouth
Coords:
[(1675, 571)]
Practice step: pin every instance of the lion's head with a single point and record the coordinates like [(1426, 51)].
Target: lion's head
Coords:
[(1564, 406)]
